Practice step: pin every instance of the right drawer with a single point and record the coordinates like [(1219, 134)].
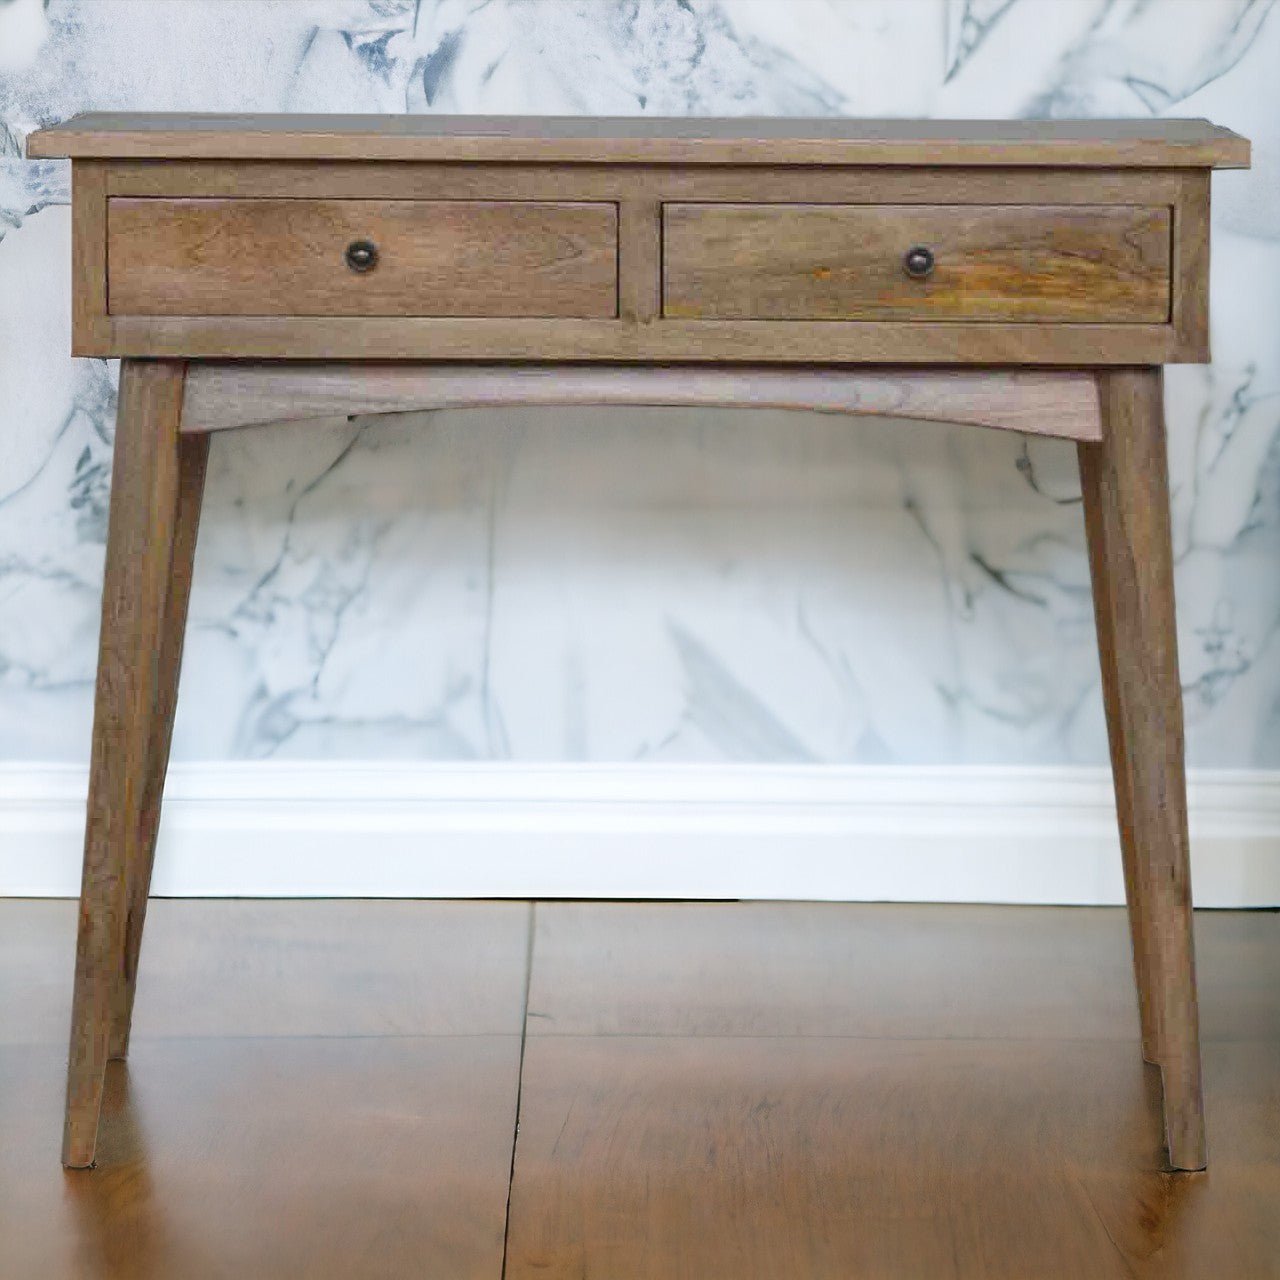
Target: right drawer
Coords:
[(1050, 263)]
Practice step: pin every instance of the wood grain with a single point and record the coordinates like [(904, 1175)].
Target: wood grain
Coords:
[(740, 1158), (1191, 263), (1126, 493), (335, 968), (89, 254), (647, 139), (435, 258), (522, 242), (882, 970), (845, 342), (844, 262), (898, 970), (146, 487), (826, 1090), (267, 968), (193, 453), (350, 1158), (636, 333), (221, 396), (901, 970), (453, 159), (653, 185), (639, 261), (1140, 924), (986, 1136)]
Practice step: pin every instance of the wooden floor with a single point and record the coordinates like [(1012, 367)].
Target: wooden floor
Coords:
[(782, 1091)]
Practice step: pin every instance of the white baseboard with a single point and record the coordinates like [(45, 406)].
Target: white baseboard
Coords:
[(1039, 835)]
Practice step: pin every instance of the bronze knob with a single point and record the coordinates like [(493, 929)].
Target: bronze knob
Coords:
[(362, 255), (918, 262)]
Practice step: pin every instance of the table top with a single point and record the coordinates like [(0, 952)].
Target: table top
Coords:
[(1145, 144)]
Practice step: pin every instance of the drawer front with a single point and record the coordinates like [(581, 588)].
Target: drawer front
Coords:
[(281, 257), (1063, 263)]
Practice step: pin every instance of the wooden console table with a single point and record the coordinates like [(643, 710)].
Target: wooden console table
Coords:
[(1032, 276)]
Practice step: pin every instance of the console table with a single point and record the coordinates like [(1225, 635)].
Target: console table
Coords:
[(1030, 276)]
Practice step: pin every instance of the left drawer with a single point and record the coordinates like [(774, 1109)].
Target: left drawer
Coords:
[(300, 257)]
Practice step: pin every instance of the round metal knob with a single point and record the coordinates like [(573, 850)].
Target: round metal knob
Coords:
[(362, 255), (918, 262)]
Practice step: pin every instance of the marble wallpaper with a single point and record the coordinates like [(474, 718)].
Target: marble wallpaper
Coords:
[(642, 584)]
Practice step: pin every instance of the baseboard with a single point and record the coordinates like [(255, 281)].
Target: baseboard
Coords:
[(1030, 835)]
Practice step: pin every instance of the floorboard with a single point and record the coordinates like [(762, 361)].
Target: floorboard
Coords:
[(830, 969), (293, 1159), (702, 1158), (901, 970), (218, 967)]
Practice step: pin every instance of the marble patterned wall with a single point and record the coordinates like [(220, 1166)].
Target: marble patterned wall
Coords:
[(640, 585)]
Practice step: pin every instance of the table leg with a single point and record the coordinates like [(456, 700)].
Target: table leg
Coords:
[(1126, 497), (156, 485), (193, 452)]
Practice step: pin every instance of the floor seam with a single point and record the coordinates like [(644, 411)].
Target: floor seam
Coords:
[(524, 1040)]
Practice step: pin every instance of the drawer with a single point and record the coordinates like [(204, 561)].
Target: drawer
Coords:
[(286, 257), (1064, 263)]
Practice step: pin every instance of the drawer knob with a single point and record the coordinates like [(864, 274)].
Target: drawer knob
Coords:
[(918, 261), (362, 255)]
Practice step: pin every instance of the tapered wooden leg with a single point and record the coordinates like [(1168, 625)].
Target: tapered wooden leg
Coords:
[(193, 452), (1140, 923), (1126, 496), (132, 700)]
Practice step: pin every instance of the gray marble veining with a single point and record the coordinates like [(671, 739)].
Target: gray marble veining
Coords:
[(642, 584)]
